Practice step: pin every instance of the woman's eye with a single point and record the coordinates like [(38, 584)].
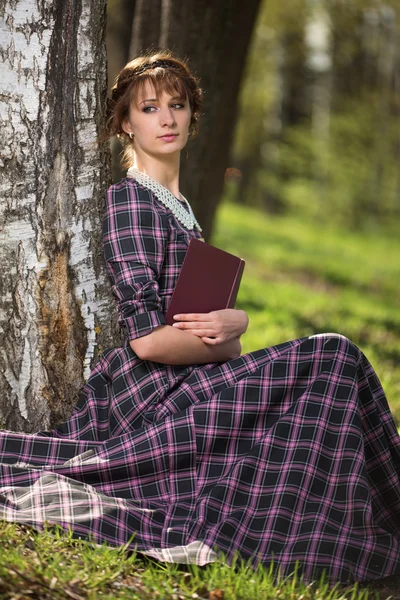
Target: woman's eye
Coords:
[(150, 109)]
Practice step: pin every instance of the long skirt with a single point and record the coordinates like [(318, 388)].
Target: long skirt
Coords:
[(288, 455)]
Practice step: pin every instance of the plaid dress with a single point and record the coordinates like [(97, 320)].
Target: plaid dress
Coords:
[(287, 454)]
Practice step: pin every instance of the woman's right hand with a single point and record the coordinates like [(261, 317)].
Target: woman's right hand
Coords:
[(216, 327)]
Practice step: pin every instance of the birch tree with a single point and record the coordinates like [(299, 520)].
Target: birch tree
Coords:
[(54, 298)]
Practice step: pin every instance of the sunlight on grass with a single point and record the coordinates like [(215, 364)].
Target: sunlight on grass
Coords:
[(54, 565), (300, 280)]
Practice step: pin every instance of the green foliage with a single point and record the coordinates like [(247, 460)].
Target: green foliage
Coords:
[(301, 280), (322, 142), (335, 180)]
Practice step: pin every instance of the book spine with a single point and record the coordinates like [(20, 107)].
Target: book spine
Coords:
[(235, 286)]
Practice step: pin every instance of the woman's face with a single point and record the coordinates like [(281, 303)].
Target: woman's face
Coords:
[(160, 125)]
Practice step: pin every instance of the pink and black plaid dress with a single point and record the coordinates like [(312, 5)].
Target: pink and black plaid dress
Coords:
[(287, 454)]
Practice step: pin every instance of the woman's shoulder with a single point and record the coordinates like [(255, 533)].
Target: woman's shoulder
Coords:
[(129, 197), (130, 191), (130, 185)]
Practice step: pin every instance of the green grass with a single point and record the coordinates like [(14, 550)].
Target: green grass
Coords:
[(54, 566), (298, 281)]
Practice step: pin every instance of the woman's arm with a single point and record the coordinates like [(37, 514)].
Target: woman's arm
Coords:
[(171, 346), (135, 237)]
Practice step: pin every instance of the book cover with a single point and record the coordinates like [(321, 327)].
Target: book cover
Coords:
[(209, 280)]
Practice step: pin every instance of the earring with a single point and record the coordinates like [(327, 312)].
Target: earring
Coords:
[(131, 136)]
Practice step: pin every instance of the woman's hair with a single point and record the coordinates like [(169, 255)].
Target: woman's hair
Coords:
[(167, 73)]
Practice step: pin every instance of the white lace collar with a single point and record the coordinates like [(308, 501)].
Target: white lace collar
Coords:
[(186, 217)]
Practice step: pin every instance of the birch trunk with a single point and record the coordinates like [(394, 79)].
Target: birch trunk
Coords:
[(54, 298)]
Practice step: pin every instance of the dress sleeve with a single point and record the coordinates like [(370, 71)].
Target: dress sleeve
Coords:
[(135, 234)]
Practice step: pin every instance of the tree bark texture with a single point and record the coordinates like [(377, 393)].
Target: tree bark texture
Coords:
[(214, 36), (55, 301)]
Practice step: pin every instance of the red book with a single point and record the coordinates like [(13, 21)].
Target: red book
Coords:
[(209, 280)]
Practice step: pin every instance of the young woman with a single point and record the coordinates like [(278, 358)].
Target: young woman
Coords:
[(287, 454)]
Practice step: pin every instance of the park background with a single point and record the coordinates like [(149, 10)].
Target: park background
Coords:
[(296, 168)]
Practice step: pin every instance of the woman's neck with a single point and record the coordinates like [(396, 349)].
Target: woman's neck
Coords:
[(165, 174)]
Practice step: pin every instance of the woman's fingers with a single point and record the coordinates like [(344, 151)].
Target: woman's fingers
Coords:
[(213, 341), (189, 325), (222, 324), (201, 332), (194, 317), (201, 322), (208, 333)]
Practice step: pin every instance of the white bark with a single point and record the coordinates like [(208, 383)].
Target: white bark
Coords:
[(318, 37), (54, 299)]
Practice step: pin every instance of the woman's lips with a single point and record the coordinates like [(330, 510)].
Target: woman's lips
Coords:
[(169, 137)]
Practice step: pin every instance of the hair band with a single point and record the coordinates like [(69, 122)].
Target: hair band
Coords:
[(165, 64)]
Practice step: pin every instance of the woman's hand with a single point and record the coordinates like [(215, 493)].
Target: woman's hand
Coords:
[(215, 327)]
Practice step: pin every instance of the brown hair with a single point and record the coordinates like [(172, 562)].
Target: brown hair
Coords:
[(167, 73)]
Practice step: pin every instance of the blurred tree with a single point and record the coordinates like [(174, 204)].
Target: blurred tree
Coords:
[(146, 28), (119, 30), (366, 65), (215, 36), (54, 298), (273, 99), (318, 131)]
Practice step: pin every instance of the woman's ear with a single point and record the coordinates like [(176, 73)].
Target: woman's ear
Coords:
[(126, 128)]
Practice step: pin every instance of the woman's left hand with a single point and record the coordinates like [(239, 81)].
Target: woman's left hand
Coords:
[(215, 327)]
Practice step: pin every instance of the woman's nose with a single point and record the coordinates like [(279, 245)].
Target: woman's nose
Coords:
[(167, 116)]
